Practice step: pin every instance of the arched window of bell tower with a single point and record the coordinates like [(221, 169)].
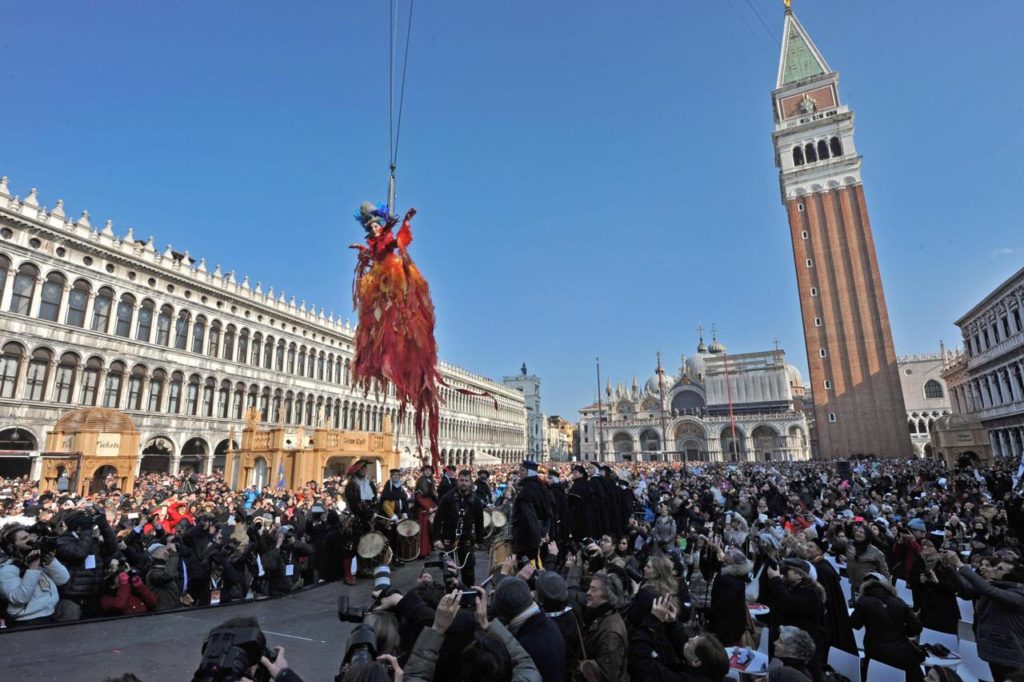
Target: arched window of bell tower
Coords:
[(836, 145), (809, 153), (798, 156), (822, 149)]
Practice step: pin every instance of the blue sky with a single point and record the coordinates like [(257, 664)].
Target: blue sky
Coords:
[(592, 178)]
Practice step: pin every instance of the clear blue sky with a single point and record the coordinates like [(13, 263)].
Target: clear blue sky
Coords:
[(593, 178)]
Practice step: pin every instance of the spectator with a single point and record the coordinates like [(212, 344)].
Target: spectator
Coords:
[(798, 601), (936, 588), (728, 617), (888, 624), (999, 616), (86, 549), (126, 595), (794, 650), (604, 635), (28, 579), (862, 557), (514, 606), (165, 578)]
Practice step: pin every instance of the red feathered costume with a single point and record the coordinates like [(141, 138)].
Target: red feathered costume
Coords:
[(395, 338)]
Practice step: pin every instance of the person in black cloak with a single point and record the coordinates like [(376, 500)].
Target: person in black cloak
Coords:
[(838, 631), (581, 506)]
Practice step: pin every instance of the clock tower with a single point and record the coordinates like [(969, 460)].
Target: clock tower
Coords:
[(855, 383)]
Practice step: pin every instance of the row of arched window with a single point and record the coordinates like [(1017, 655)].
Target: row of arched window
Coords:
[(129, 318), (811, 152), (95, 384)]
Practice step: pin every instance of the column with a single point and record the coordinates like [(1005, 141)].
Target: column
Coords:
[(5, 299), (36, 471), (986, 392), (175, 463), (993, 442), (62, 314), (206, 463), (112, 317), (748, 454), (1011, 384), (37, 297), (1004, 385), (1013, 436), (1004, 443), (90, 301), (51, 379)]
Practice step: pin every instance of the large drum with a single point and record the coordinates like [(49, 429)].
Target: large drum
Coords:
[(408, 540), (371, 551), (487, 522), (500, 551), (498, 523)]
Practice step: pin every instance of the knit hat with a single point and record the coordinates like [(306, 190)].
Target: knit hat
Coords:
[(154, 547), (529, 464), (917, 524), (798, 564), (511, 598), (551, 589)]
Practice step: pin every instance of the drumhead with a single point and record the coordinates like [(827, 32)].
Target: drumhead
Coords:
[(487, 519), (498, 519), (408, 528), (371, 545)]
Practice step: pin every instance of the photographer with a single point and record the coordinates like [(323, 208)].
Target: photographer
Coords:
[(460, 522), (29, 578), (284, 561), (494, 654), (86, 549), (126, 594), (165, 578), (236, 650)]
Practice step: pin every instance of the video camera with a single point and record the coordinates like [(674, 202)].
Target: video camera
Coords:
[(229, 652), (46, 544), (361, 649)]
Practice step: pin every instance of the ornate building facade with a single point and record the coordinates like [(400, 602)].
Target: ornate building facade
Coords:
[(88, 318), (925, 396), (858, 402), (986, 379), (716, 407)]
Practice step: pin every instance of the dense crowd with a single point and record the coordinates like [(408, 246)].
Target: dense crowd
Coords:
[(643, 571)]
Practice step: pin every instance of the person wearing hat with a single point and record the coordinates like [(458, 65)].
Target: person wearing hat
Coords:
[(580, 508), (531, 514), (888, 624), (482, 488), (797, 600), (906, 552), (426, 502), (394, 504), (557, 490), (29, 579), (514, 606), (551, 593)]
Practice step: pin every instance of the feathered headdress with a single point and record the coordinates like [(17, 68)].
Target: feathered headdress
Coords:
[(369, 215)]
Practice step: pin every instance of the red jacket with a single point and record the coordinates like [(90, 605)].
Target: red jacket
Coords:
[(128, 599)]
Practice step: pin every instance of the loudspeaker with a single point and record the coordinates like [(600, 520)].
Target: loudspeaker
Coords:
[(844, 470)]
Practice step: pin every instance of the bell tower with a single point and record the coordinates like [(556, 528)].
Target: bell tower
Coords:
[(855, 384)]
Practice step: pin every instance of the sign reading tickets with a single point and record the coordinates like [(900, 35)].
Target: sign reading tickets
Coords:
[(108, 445)]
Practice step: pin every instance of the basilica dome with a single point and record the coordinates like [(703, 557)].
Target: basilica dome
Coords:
[(794, 376), (653, 386), (695, 365)]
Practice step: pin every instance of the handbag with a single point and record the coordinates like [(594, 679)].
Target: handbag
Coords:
[(588, 670), (753, 588)]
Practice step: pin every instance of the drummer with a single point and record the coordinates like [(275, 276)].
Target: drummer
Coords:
[(460, 523), (394, 504), (360, 502)]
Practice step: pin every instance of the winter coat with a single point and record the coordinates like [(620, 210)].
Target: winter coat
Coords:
[(605, 640), (531, 516), (128, 599), (889, 623), (937, 605), (568, 622), (665, 530), (73, 551), (801, 606), (164, 580), (998, 617), (32, 594), (581, 521), (423, 659), (728, 615), (543, 641), (656, 652), (872, 560)]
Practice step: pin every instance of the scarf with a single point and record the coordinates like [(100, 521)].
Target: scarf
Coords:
[(596, 613), (365, 491), (517, 622)]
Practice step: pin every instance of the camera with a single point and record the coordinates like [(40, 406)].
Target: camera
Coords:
[(468, 599), (361, 649), (47, 544), (230, 651)]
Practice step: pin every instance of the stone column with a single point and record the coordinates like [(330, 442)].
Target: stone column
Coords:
[(62, 311), (1004, 443), (112, 317), (90, 306), (36, 472), (175, 464), (1012, 436), (1004, 385), (993, 442), (51, 378), (206, 464), (5, 299), (37, 297)]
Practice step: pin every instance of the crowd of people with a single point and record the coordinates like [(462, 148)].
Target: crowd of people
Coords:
[(642, 571)]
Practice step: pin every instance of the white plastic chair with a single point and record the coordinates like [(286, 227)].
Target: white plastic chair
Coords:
[(904, 593), (880, 672), (858, 637), (844, 585), (762, 644), (844, 663), (965, 632), (972, 668), (966, 609), (945, 639)]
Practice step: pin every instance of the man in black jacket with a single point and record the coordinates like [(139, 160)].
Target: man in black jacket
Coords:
[(531, 514), (580, 505), (447, 481), (559, 508), (483, 488), (85, 550), (460, 522)]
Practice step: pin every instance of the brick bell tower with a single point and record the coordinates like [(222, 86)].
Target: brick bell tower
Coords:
[(855, 383)]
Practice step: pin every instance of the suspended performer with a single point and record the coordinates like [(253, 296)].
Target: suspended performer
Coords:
[(395, 339)]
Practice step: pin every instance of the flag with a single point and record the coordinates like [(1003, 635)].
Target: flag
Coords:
[(280, 474)]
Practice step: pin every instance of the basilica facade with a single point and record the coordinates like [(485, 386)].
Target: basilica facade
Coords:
[(92, 319), (716, 407)]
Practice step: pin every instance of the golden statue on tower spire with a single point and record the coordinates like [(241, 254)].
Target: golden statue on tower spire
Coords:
[(788, 4)]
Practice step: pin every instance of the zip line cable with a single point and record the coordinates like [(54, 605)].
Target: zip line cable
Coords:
[(763, 22), (754, 34), (395, 124)]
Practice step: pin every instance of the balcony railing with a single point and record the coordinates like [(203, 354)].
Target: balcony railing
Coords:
[(997, 350)]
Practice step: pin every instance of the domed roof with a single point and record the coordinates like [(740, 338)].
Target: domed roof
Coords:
[(794, 376), (653, 385), (695, 365), (716, 348), (95, 419)]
